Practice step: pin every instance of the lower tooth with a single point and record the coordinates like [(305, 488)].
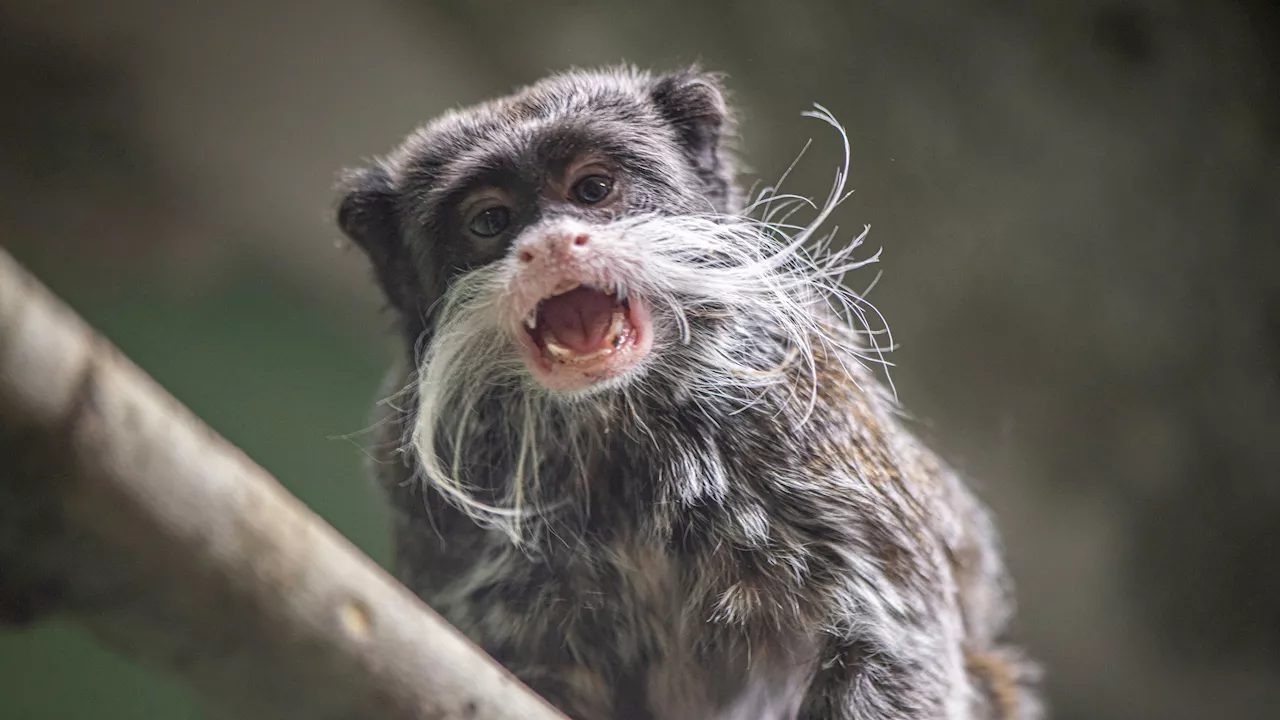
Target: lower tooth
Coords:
[(558, 351), (562, 354)]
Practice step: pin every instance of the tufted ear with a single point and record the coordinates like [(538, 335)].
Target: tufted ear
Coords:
[(694, 103), (368, 216)]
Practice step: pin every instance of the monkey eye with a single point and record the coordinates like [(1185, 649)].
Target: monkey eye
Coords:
[(488, 223), (592, 189)]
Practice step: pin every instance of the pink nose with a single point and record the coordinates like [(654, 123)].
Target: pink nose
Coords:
[(552, 246)]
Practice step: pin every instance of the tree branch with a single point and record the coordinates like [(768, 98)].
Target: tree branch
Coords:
[(121, 510)]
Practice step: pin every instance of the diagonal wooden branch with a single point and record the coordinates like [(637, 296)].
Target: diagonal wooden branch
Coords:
[(121, 510)]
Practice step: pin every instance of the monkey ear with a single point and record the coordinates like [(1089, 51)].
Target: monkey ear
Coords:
[(367, 214), (693, 102)]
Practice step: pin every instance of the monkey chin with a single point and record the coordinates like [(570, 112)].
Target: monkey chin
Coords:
[(583, 339)]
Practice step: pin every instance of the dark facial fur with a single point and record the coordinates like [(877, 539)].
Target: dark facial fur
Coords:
[(731, 523)]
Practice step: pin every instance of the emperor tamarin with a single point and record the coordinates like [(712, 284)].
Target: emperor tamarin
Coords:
[(638, 453)]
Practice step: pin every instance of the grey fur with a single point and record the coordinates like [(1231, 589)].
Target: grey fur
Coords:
[(706, 557)]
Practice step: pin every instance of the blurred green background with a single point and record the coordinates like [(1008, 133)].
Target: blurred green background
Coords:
[(263, 364), (1079, 205)]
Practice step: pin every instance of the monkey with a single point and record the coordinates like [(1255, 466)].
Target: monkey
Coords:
[(635, 445)]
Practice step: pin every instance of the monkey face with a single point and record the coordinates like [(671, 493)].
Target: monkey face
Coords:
[(584, 235), (527, 215), (561, 279)]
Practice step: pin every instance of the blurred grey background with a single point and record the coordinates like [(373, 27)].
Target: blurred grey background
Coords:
[(1079, 204)]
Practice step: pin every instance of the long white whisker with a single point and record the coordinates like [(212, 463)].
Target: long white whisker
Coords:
[(751, 314)]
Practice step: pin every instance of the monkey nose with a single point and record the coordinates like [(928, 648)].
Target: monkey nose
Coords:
[(552, 246)]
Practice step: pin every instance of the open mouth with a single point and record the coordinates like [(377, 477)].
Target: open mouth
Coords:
[(580, 335)]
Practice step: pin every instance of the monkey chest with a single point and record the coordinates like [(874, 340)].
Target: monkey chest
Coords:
[(622, 632)]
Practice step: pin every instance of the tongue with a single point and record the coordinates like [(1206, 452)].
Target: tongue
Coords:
[(579, 319)]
